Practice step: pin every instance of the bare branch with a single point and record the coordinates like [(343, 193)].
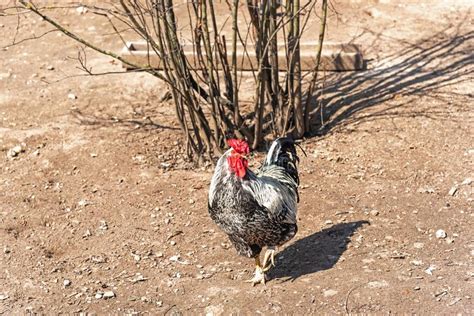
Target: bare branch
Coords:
[(206, 88)]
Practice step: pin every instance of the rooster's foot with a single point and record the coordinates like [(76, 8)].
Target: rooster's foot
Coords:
[(258, 277), (269, 254)]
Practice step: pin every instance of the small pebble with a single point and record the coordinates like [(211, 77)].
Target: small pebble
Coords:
[(67, 282), (430, 270), (417, 262), (108, 294), (174, 258), (138, 278), (15, 151), (418, 245), (374, 213), (426, 190), (441, 234), (449, 240), (5, 75), (467, 181), (103, 225), (378, 284), (71, 96), (83, 202), (329, 293), (81, 10), (136, 257)]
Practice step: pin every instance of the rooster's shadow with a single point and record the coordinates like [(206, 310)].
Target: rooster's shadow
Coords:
[(317, 252)]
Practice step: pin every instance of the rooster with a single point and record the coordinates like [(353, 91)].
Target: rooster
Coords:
[(256, 210)]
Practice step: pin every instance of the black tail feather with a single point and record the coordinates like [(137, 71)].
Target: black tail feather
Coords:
[(283, 154)]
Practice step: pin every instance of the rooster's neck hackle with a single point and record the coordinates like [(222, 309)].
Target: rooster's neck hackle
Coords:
[(222, 174)]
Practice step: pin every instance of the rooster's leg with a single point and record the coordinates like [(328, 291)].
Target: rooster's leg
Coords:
[(269, 254), (259, 275)]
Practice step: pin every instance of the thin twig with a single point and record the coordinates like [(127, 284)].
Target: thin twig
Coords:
[(347, 297), (307, 119), (34, 37)]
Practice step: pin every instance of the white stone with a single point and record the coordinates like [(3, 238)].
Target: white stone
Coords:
[(374, 213), (174, 258), (426, 190), (5, 75), (136, 257), (213, 310), (418, 245), (329, 293), (103, 225), (430, 270), (441, 234), (378, 284), (81, 10)]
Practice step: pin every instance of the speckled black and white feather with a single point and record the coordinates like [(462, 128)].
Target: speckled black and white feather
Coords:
[(260, 209)]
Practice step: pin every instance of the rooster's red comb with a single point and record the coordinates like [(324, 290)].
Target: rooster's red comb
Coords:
[(239, 145)]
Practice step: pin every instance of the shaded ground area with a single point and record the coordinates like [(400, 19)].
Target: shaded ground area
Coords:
[(98, 199)]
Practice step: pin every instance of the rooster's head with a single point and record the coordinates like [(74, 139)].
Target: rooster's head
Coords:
[(237, 159)]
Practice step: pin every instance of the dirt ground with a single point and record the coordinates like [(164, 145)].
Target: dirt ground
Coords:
[(99, 212)]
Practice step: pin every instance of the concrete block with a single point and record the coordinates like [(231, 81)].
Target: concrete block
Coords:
[(334, 56)]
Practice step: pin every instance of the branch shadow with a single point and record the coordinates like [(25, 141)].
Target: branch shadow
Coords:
[(143, 124), (317, 252), (420, 69)]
